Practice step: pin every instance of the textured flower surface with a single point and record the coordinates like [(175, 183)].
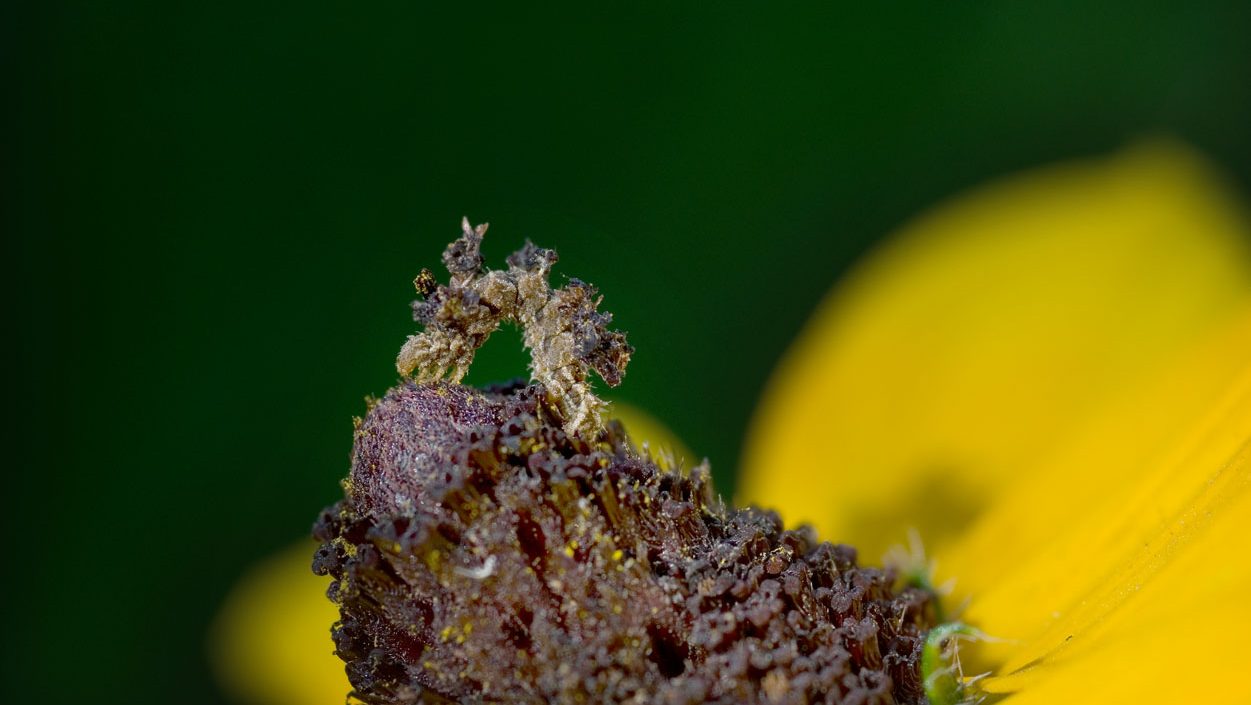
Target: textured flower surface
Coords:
[(1050, 380)]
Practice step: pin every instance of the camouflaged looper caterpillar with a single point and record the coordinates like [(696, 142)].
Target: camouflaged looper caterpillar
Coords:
[(564, 332), (506, 545)]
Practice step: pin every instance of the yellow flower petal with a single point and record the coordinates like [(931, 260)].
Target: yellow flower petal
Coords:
[(1167, 628), (647, 430), (1077, 492), (1127, 549), (984, 333), (271, 644)]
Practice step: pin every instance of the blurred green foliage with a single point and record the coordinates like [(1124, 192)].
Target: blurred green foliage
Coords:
[(216, 211)]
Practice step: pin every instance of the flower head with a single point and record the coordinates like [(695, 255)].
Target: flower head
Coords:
[(1048, 380)]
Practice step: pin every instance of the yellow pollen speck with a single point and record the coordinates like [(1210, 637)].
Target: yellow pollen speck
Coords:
[(618, 554), (775, 685)]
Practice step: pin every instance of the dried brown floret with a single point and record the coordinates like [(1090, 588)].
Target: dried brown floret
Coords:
[(487, 551)]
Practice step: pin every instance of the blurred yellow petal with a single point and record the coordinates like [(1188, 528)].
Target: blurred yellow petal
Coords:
[(1075, 504), (271, 644), (1182, 659), (1128, 550), (985, 332), (647, 431), (1167, 630)]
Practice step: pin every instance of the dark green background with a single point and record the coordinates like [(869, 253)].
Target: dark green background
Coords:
[(216, 210)]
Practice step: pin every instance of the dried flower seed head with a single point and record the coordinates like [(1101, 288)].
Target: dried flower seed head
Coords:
[(488, 551)]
